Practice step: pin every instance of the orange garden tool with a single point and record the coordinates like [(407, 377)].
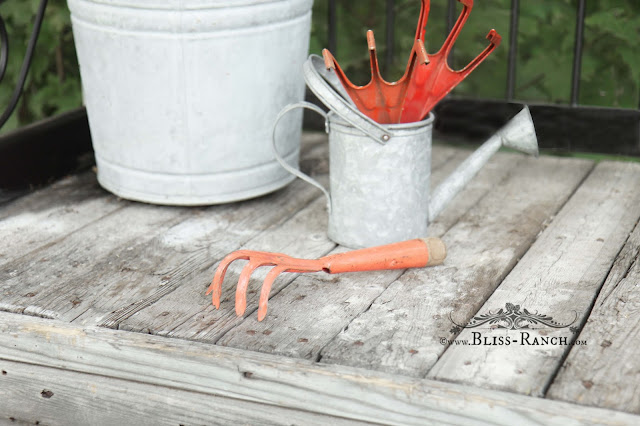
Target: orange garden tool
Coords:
[(380, 100), (431, 83), (415, 253), (425, 82)]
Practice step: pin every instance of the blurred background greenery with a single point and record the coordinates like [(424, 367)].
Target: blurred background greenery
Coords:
[(53, 82), (610, 66)]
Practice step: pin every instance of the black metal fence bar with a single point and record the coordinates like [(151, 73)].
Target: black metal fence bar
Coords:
[(513, 49), (577, 52), (333, 30), (451, 17), (451, 21), (390, 34)]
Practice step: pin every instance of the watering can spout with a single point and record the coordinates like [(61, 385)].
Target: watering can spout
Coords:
[(518, 134)]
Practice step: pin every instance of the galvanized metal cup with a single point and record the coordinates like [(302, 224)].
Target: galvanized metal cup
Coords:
[(379, 193), (379, 174)]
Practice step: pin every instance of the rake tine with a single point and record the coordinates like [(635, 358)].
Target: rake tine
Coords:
[(494, 40), (243, 283), (266, 289), (331, 63), (373, 56), (416, 253), (455, 31), (216, 285), (422, 21)]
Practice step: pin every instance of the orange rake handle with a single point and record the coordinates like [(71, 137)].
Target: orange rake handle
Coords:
[(416, 253)]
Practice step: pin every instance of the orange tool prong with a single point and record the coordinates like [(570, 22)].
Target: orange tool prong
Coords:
[(457, 28), (430, 84), (416, 253), (422, 20), (379, 100)]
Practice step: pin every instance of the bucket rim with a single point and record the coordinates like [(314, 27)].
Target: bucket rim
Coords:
[(333, 116), (192, 6)]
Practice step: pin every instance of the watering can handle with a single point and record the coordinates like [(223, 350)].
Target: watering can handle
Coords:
[(281, 160), (322, 89)]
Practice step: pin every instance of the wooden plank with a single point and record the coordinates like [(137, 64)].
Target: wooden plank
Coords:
[(42, 395), (135, 256), (63, 276), (167, 257), (559, 276), (345, 392), (185, 255), (307, 315), (43, 217), (401, 331), (187, 312), (7, 196), (605, 372)]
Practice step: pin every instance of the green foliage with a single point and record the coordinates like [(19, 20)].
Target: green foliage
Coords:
[(546, 38), (53, 82), (610, 66)]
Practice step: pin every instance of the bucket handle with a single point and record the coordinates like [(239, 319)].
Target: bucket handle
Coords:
[(286, 165), (318, 84)]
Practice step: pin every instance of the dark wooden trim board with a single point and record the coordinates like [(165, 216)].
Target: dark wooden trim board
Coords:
[(44, 151), (169, 377), (560, 128), (47, 150)]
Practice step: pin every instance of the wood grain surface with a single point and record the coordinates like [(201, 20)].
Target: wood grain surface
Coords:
[(122, 285), (559, 276), (175, 365), (307, 315), (187, 312), (403, 330), (43, 217), (606, 371)]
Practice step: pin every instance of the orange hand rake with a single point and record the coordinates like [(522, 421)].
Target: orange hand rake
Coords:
[(433, 82), (416, 253), (426, 81), (380, 100)]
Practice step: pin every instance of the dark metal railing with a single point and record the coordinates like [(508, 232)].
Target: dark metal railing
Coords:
[(513, 49), (577, 52), (513, 41), (390, 33), (570, 127)]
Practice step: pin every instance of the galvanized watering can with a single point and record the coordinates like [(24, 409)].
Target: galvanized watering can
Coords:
[(380, 174)]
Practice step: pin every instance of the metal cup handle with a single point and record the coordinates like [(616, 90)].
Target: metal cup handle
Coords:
[(316, 75), (281, 160)]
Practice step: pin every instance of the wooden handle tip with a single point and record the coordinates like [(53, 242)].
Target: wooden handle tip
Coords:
[(437, 251)]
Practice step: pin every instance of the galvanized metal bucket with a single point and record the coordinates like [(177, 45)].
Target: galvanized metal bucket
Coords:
[(379, 182), (181, 95)]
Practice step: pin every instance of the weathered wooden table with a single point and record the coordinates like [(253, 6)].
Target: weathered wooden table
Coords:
[(104, 317)]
